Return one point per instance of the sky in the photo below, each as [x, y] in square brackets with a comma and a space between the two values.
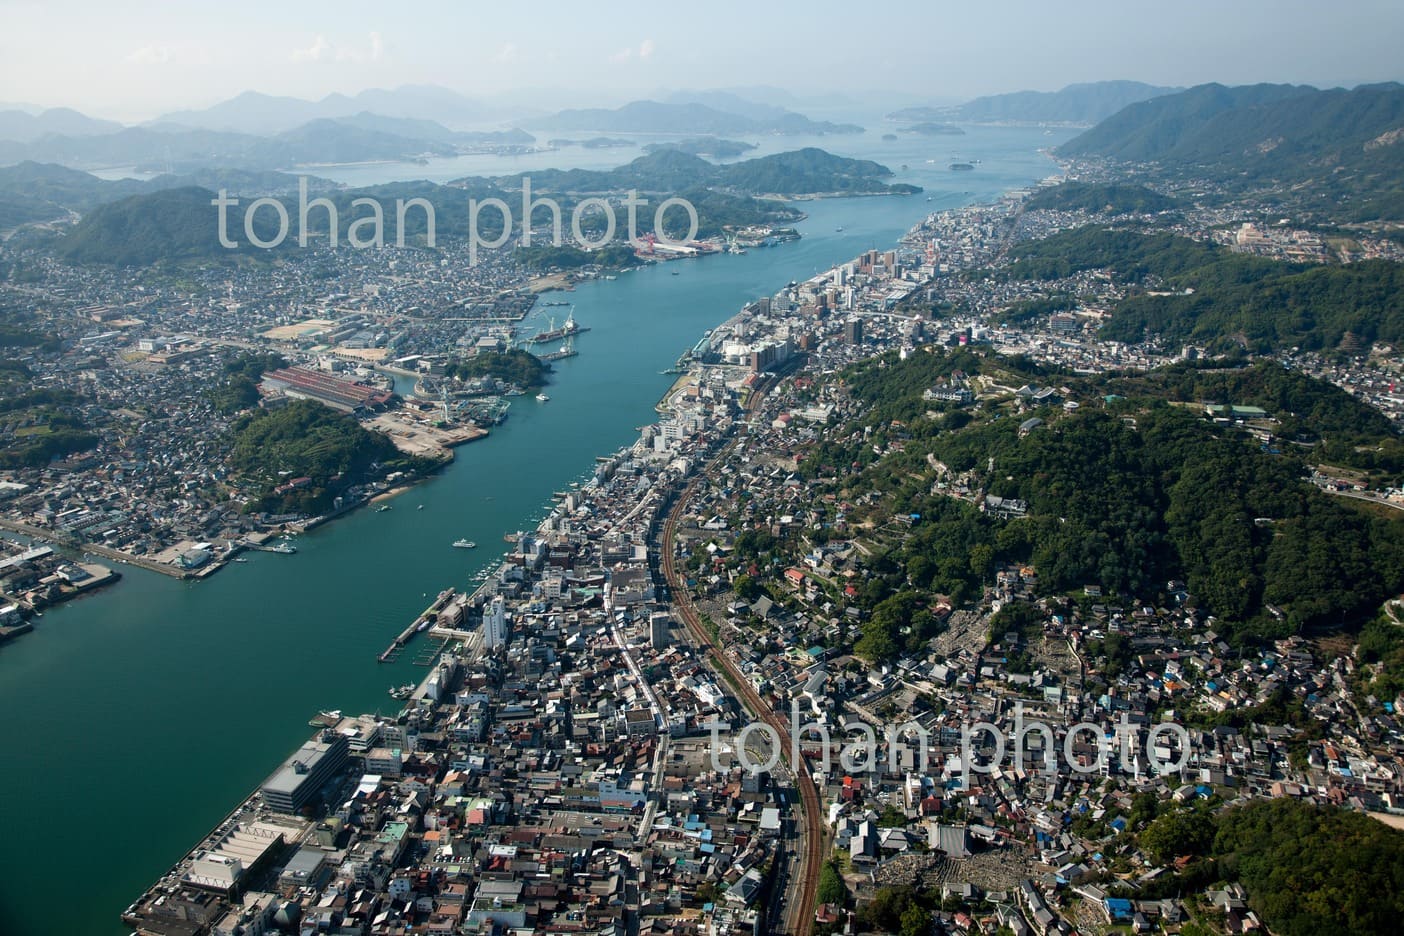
[136, 60]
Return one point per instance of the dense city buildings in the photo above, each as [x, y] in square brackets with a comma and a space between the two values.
[573, 761]
[905, 517]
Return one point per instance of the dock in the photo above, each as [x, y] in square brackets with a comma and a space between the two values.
[284, 549]
[430, 652]
[391, 653]
[59, 538]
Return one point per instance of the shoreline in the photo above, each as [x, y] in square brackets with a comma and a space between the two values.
[690, 375]
[540, 284]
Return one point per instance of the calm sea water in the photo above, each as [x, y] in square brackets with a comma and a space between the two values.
[133, 720]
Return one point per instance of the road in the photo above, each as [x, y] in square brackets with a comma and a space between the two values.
[59, 538]
[1370, 498]
[799, 921]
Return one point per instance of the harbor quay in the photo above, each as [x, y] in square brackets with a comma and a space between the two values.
[560, 727]
[583, 752]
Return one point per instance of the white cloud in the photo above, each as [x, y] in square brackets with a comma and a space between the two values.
[645, 50]
[149, 55]
[324, 50]
[313, 53]
[508, 53]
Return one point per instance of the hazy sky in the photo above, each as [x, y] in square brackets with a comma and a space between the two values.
[137, 59]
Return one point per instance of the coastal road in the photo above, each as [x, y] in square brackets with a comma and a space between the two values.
[805, 883]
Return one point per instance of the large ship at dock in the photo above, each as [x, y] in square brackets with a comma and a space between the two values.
[566, 350]
[565, 331]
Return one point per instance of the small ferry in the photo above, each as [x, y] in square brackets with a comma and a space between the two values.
[465, 544]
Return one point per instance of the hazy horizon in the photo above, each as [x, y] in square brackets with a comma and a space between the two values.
[152, 58]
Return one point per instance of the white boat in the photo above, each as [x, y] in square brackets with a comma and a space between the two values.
[465, 544]
[542, 397]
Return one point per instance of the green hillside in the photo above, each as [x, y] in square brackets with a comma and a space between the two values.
[1258, 303]
[1343, 146]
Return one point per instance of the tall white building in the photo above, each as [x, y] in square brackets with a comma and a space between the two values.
[495, 624]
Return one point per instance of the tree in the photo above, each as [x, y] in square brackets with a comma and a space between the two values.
[746, 588]
[981, 559]
[876, 645]
[916, 921]
[832, 890]
[1185, 832]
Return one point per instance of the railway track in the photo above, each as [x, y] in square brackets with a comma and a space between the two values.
[801, 904]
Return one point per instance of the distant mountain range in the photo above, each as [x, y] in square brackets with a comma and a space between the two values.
[23, 127]
[357, 138]
[128, 222]
[730, 103]
[689, 114]
[1076, 104]
[260, 132]
[1347, 147]
[264, 114]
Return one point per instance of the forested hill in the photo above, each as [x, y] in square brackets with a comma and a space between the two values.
[1347, 145]
[172, 226]
[1275, 124]
[179, 225]
[305, 439]
[1075, 104]
[1110, 197]
[1259, 304]
[1128, 492]
[808, 171]
[1311, 869]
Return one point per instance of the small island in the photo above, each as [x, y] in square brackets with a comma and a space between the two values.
[934, 129]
